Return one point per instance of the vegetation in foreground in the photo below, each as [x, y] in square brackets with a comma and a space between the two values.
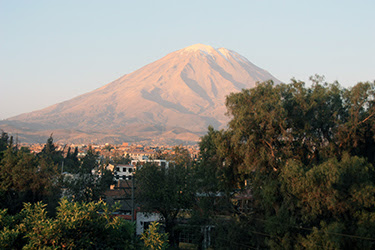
[75, 226]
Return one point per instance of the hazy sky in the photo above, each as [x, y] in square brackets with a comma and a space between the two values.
[51, 51]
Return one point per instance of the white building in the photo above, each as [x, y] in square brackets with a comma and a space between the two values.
[144, 220]
[124, 172]
[143, 160]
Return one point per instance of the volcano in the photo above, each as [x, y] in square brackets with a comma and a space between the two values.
[173, 99]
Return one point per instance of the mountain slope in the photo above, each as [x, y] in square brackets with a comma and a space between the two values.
[185, 89]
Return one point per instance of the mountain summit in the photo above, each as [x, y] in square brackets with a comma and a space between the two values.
[176, 97]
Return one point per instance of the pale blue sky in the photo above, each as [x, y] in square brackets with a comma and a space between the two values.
[51, 51]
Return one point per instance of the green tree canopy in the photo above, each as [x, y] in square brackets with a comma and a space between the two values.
[86, 184]
[166, 190]
[306, 155]
[25, 177]
[75, 226]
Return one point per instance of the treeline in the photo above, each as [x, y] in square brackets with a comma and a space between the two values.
[29, 177]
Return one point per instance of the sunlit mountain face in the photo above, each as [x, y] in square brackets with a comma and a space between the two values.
[174, 98]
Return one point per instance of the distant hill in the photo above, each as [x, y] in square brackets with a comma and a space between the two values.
[171, 100]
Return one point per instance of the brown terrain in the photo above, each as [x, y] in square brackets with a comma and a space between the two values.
[171, 100]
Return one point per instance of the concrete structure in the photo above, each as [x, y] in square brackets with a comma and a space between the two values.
[124, 172]
[135, 154]
[144, 220]
[143, 160]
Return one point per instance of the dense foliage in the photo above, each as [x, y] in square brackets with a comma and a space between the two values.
[153, 239]
[48, 175]
[167, 190]
[26, 177]
[83, 184]
[75, 226]
[305, 158]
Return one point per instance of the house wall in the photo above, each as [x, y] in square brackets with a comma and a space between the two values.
[144, 220]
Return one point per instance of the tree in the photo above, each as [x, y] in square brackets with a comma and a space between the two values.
[4, 140]
[211, 179]
[75, 226]
[179, 156]
[339, 201]
[304, 153]
[51, 153]
[120, 159]
[153, 239]
[85, 185]
[71, 161]
[167, 191]
[26, 178]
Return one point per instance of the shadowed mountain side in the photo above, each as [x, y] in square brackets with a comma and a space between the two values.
[185, 90]
[154, 96]
[227, 76]
[194, 85]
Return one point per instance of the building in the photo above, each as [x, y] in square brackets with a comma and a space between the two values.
[143, 160]
[123, 172]
[143, 221]
[135, 154]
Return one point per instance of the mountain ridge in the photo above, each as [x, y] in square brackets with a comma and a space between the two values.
[184, 89]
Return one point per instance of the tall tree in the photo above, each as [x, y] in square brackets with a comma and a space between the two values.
[317, 140]
[166, 190]
[86, 185]
[50, 152]
[26, 178]
[71, 162]
[3, 143]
